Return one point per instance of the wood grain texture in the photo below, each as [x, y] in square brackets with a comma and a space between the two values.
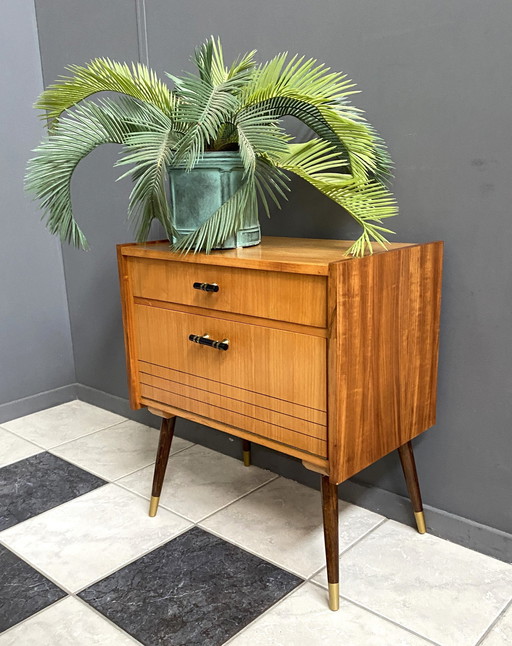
[383, 349]
[270, 430]
[232, 404]
[292, 255]
[130, 336]
[411, 476]
[233, 392]
[265, 294]
[162, 454]
[168, 409]
[230, 316]
[331, 533]
[281, 364]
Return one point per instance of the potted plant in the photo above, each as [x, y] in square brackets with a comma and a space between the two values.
[218, 136]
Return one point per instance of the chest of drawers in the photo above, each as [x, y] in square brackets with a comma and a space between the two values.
[292, 345]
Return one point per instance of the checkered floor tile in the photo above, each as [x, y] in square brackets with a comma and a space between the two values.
[234, 555]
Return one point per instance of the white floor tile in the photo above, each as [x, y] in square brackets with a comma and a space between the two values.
[116, 451]
[14, 448]
[199, 481]
[282, 522]
[53, 426]
[92, 535]
[66, 623]
[304, 619]
[438, 589]
[501, 634]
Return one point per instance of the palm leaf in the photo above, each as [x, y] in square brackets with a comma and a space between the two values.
[309, 92]
[201, 112]
[101, 75]
[150, 153]
[76, 135]
[258, 134]
[367, 202]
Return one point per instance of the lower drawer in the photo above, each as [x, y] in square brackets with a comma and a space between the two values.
[269, 382]
[278, 363]
[265, 421]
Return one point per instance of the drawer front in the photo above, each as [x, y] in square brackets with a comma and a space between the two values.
[279, 296]
[269, 382]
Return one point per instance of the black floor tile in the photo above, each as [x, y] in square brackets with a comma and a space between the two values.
[39, 483]
[23, 590]
[196, 590]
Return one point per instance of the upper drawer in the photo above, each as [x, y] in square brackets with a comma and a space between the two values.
[296, 298]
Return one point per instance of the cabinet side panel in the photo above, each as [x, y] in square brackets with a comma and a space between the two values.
[383, 352]
[127, 304]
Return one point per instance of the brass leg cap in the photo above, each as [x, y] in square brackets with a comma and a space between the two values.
[247, 458]
[334, 596]
[420, 522]
[153, 505]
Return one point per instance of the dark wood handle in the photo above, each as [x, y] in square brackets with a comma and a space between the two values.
[204, 339]
[206, 287]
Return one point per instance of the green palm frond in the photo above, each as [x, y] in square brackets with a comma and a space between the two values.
[222, 108]
[79, 133]
[299, 78]
[149, 154]
[367, 202]
[270, 181]
[202, 111]
[104, 75]
[258, 133]
[309, 92]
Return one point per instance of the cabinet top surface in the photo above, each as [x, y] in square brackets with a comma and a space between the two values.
[296, 255]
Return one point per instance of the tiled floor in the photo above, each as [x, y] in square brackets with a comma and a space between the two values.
[234, 555]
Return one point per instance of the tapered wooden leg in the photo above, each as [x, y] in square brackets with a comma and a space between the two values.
[162, 456]
[332, 551]
[411, 478]
[246, 448]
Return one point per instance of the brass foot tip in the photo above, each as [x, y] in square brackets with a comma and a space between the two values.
[420, 522]
[247, 458]
[153, 505]
[334, 596]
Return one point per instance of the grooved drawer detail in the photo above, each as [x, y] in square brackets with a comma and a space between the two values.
[277, 363]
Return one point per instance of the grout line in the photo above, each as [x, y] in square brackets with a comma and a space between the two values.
[24, 621]
[147, 499]
[106, 619]
[37, 568]
[47, 511]
[493, 624]
[147, 551]
[349, 547]
[18, 437]
[97, 430]
[250, 551]
[265, 612]
[50, 448]
[244, 495]
[376, 614]
[26, 457]
[185, 448]
[191, 520]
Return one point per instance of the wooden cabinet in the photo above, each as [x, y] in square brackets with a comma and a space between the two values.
[290, 344]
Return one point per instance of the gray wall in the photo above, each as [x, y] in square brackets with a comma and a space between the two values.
[35, 340]
[436, 80]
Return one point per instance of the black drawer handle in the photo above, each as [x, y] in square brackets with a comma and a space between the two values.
[204, 339]
[206, 287]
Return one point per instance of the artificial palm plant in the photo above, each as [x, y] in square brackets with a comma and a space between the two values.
[221, 108]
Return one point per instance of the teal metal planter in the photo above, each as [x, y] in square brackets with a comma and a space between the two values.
[197, 194]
